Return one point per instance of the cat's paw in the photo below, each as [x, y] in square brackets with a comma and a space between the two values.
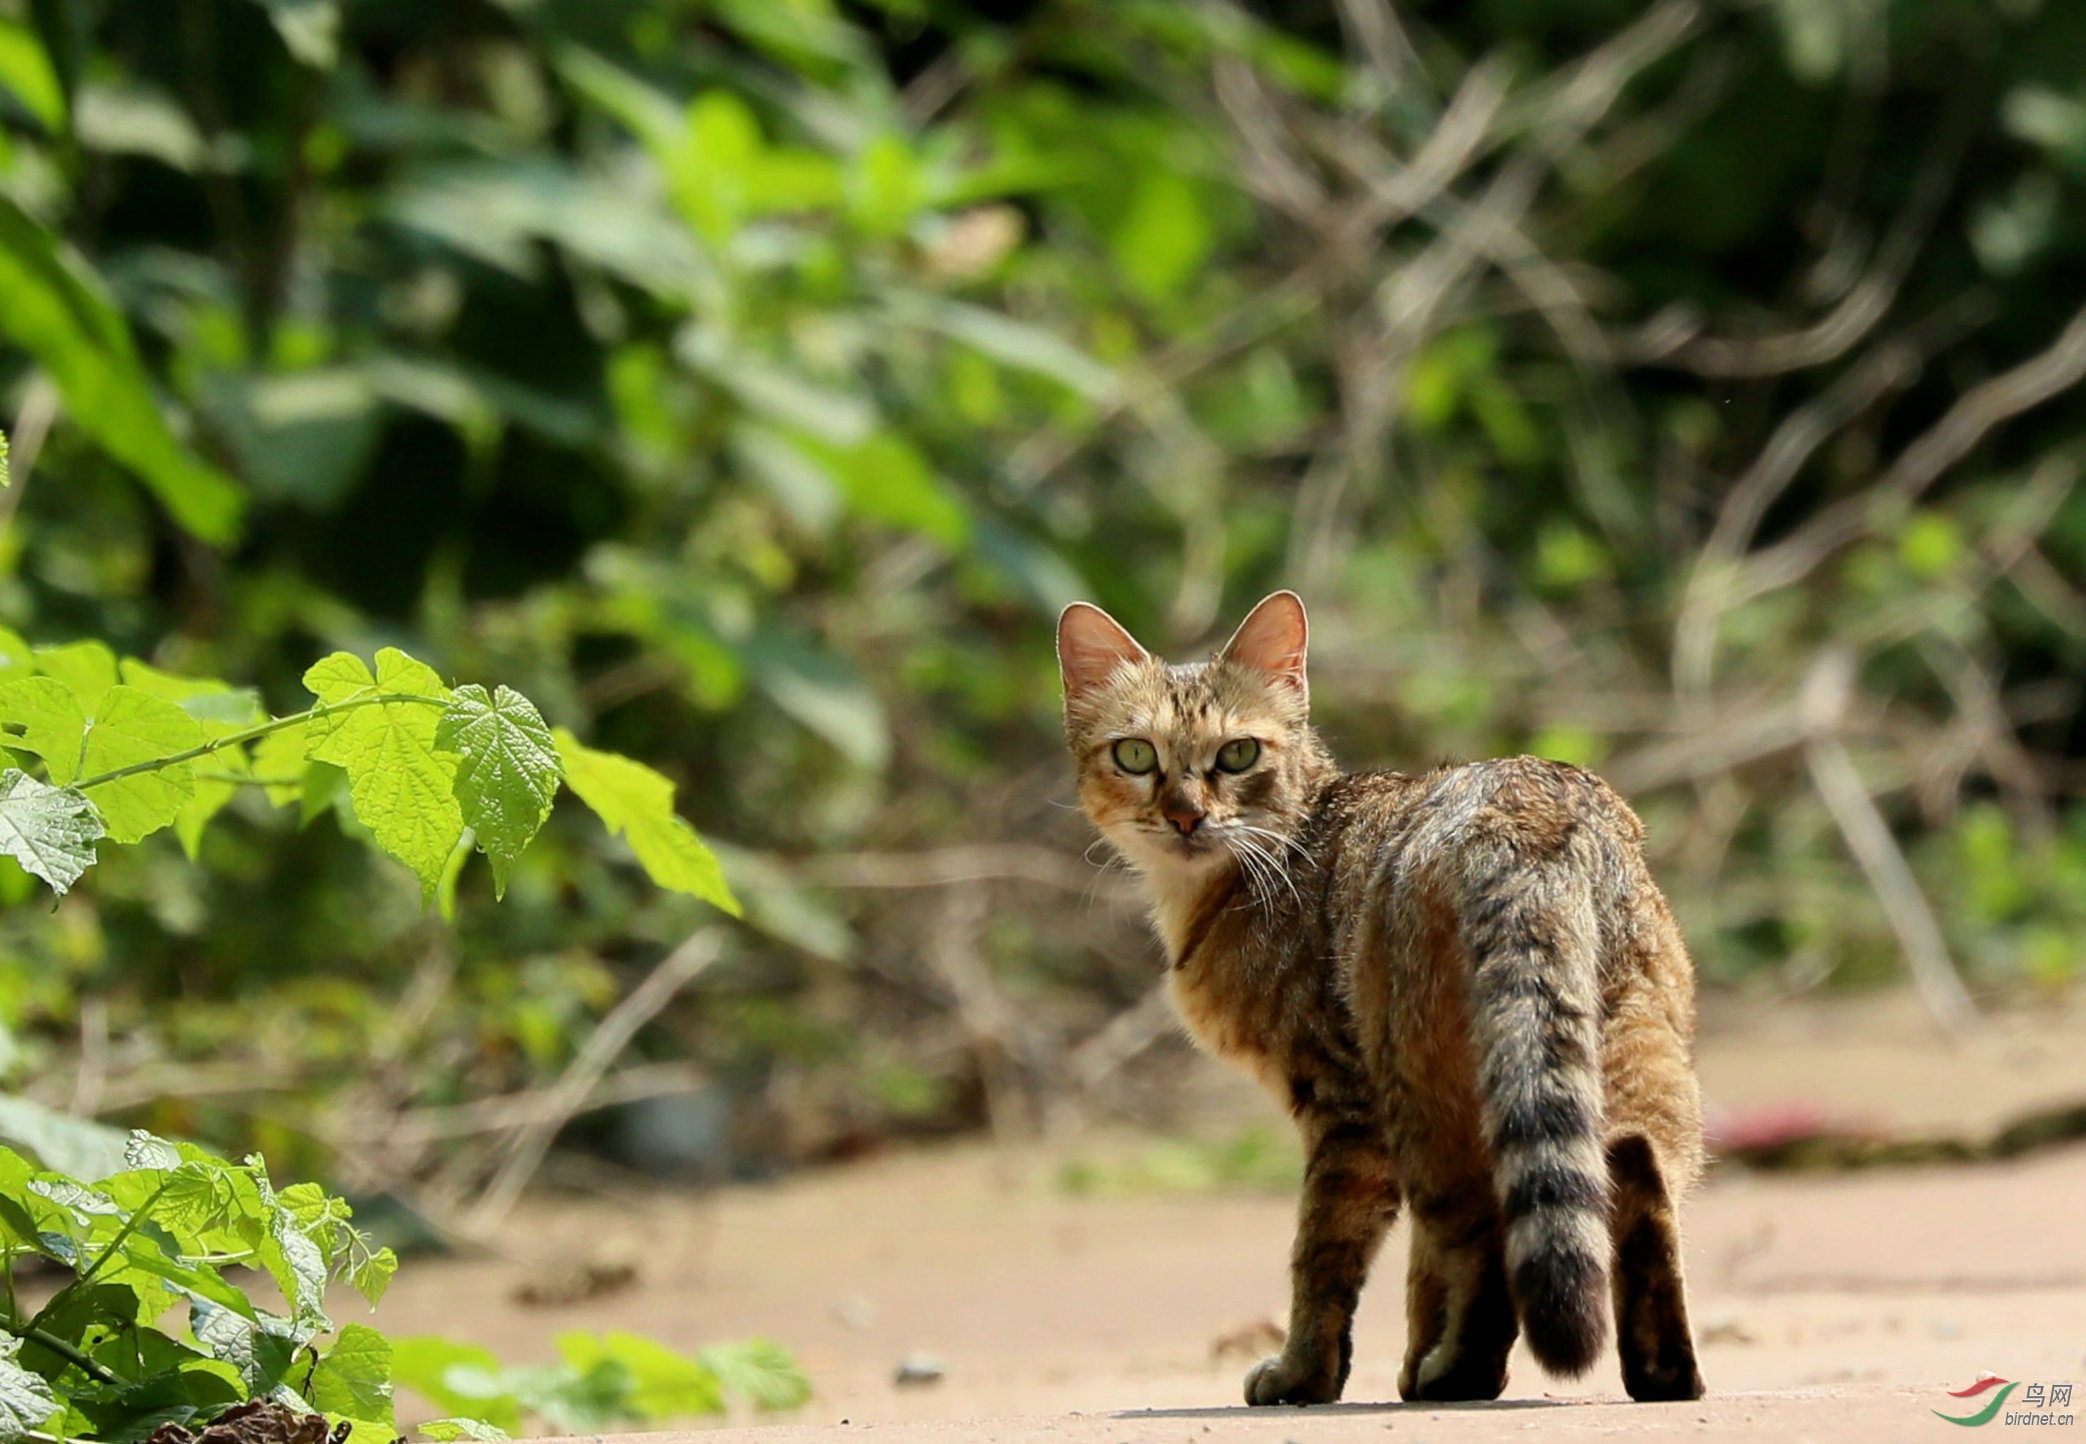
[1281, 1380]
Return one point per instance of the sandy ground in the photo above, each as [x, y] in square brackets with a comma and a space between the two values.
[1828, 1307]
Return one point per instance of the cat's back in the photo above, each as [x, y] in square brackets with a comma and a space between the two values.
[1416, 850]
[1372, 821]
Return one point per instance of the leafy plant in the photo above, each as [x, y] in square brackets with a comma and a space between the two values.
[91, 1363]
[603, 1380]
[431, 772]
[95, 1361]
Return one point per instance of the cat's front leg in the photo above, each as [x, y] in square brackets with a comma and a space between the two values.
[1350, 1198]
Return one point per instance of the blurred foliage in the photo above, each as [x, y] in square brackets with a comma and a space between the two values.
[749, 381]
[1255, 1160]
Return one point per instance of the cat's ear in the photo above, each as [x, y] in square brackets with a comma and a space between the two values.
[1272, 639]
[1091, 645]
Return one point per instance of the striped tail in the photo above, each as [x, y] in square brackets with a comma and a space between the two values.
[1528, 925]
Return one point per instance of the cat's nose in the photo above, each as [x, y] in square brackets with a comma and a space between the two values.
[1184, 817]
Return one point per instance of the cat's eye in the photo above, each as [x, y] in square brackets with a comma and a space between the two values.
[1136, 756]
[1238, 754]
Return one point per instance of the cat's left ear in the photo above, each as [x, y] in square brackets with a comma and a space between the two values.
[1272, 639]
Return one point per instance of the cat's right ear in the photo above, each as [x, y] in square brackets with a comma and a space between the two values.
[1091, 645]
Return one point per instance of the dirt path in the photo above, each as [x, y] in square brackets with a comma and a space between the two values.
[1837, 1307]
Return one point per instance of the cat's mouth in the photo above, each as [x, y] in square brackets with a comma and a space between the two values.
[1188, 846]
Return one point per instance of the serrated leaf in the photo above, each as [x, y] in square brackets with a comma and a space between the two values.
[370, 1274]
[760, 1371]
[26, 1401]
[260, 1349]
[402, 782]
[442, 1431]
[298, 1267]
[132, 727]
[353, 1377]
[53, 724]
[146, 1150]
[49, 830]
[509, 773]
[632, 799]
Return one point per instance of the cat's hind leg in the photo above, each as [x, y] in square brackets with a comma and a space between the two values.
[1651, 1305]
[1459, 1317]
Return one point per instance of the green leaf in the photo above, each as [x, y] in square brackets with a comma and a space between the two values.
[88, 668]
[509, 773]
[461, 1378]
[370, 1274]
[60, 1142]
[53, 308]
[211, 796]
[444, 1430]
[147, 1151]
[298, 1267]
[775, 391]
[353, 1377]
[261, 1349]
[49, 830]
[574, 1401]
[822, 691]
[632, 799]
[132, 727]
[1164, 237]
[25, 69]
[53, 725]
[71, 1313]
[17, 657]
[759, 1370]
[26, 1401]
[886, 480]
[151, 1252]
[402, 781]
[310, 29]
[663, 1384]
[278, 760]
[1010, 342]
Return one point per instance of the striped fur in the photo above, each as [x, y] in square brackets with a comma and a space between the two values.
[1465, 987]
[1528, 929]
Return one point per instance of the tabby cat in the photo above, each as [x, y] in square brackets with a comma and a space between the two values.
[1464, 986]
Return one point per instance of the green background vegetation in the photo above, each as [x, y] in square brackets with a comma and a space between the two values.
[1685, 389]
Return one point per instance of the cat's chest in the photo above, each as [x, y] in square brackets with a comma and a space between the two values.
[1225, 1017]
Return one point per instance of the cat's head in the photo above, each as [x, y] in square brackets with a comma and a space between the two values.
[1195, 767]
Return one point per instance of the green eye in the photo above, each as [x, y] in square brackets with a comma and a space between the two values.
[1136, 756]
[1238, 754]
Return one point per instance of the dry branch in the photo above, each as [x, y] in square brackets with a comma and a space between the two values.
[525, 1150]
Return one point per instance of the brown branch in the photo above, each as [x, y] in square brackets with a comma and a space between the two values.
[2049, 373]
[526, 1149]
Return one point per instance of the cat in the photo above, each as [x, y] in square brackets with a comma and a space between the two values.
[1463, 985]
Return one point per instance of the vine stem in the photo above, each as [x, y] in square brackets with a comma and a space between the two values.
[259, 729]
[29, 1333]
